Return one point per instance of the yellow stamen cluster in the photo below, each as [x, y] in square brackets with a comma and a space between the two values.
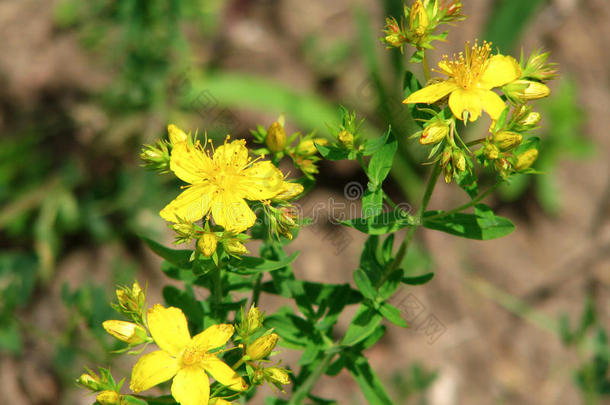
[467, 67]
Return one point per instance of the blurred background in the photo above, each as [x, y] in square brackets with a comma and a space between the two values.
[518, 320]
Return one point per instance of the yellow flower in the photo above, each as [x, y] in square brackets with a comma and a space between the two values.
[185, 359]
[471, 76]
[220, 184]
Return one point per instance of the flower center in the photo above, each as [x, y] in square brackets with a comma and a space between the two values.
[467, 66]
[224, 179]
[190, 357]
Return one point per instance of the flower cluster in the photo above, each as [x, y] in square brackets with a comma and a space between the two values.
[188, 361]
[422, 19]
[469, 89]
[222, 185]
[300, 148]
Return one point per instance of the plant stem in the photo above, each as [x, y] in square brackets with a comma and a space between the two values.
[299, 395]
[256, 291]
[467, 205]
[402, 250]
[216, 291]
[426, 67]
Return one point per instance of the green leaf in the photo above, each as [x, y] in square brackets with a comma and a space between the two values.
[418, 280]
[294, 330]
[369, 382]
[330, 152]
[387, 222]
[364, 323]
[253, 265]
[392, 314]
[372, 202]
[381, 163]
[177, 257]
[364, 285]
[482, 225]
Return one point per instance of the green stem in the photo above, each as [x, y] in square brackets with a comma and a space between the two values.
[426, 67]
[299, 395]
[402, 250]
[467, 205]
[216, 291]
[256, 291]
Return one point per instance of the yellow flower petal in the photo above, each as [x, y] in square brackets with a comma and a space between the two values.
[191, 386]
[168, 328]
[176, 135]
[261, 181]
[223, 373]
[213, 337]
[192, 205]
[289, 191]
[190, 163]
[500, 69]
[432, 93]
[232, 212]
[461, 101]
[152, 369]
[492, 103]
[232, 154]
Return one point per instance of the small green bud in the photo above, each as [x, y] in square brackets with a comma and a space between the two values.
[526, 159]
[507, 140]
[207, 244]
[276, 137]
[262, 346]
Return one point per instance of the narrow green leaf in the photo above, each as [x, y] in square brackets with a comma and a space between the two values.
[381, 163]
[177, 257]
[418, 280]
[387, 222]
[369, 382]
[253, 265]
[392, 314]
[363, 324]
[364, 284]
[332, 152]
[482, 225]
[372, 203]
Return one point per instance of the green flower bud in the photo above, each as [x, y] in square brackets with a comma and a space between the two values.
[526, 159]
[276, 137]
[262, 346]
[506, 140]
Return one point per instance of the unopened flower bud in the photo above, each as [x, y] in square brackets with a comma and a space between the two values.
[156, 157]
[235, 247]
[526, 159]
[108, 398]
[276, 376]
[307, 147]
[90, 382]
[207, 244]
[491, 151]
[395, 40]
[459, 160]
[506, 140]
[522, 91]
[131, 300]
[176, 135]
[346, 138]
[446, 156]
[276, 137]
[434, 133]
[418, 18]
[254, 320]
[262, 346]
[127, 332]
